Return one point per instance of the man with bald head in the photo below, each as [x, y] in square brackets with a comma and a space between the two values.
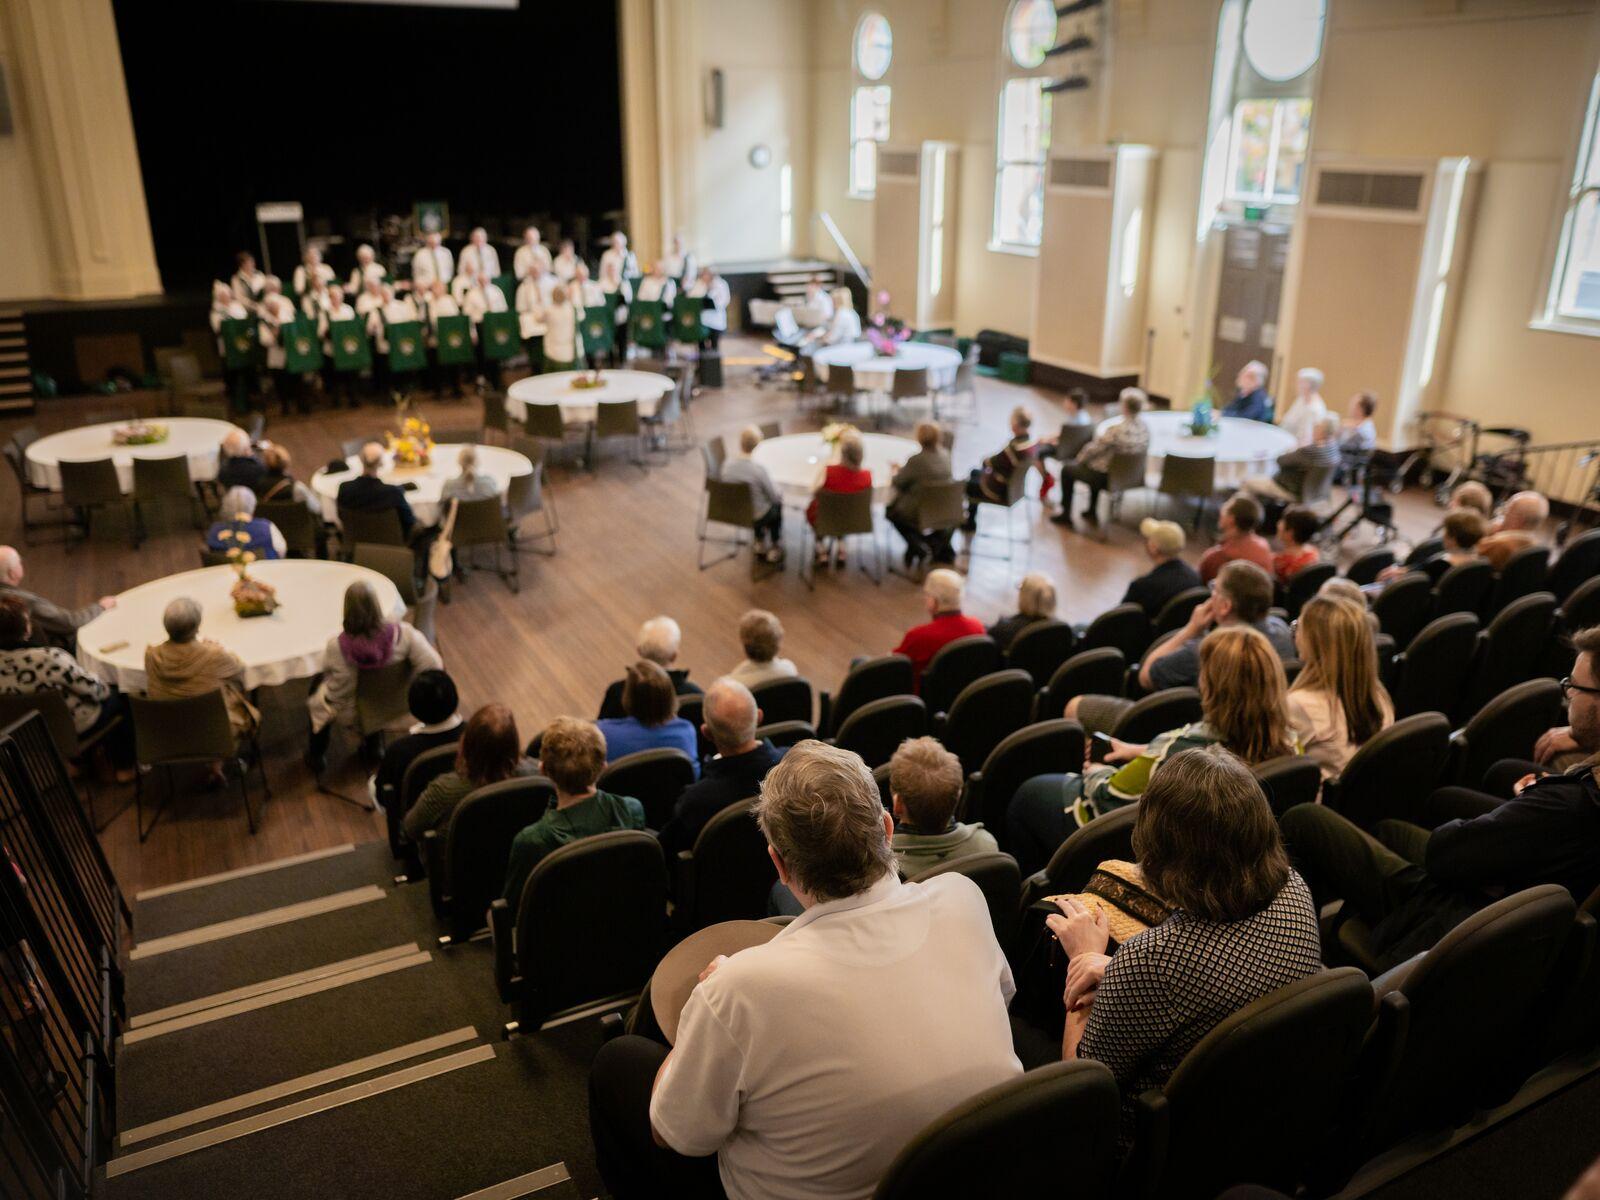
[367, 493]
[1519, 526]
[50, 621]
[730, 718]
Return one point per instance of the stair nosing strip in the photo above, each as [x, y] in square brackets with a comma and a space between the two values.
[261, 920]
[242, 872]
[523, 1185]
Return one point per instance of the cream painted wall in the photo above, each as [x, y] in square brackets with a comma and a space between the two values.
[22, 265]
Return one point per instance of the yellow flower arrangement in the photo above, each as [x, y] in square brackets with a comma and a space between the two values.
[414, 446]
[836, 432]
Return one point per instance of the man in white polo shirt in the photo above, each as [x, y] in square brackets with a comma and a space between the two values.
[806, 1064]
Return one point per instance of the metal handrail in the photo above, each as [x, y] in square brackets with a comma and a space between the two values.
[843, 243]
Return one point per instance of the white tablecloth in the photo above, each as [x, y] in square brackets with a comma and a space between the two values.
[795, 461]
[874, 373]
[1242, 448]
[579, 406]
[198, 438]
[496, 461]
[287, 645]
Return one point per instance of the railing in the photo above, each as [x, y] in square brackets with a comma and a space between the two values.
[1566, 472]
[843, 244]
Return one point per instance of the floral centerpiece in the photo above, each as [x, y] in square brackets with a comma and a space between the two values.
[587, 380]
[138, 433]
[414, 445]
[884, 332]
[1203, 419]
[836, 432]
[251, 597]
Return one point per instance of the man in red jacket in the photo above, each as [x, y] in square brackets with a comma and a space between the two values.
[941, 592]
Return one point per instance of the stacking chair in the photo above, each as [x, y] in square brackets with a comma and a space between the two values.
[1511, 648]
[1393, 772]
[730, 503]
[1088, 672]
[1175, 613]
[983, 714]
[483, 523]
[1041, 649]
[841, 515]
[867, 680]
[1039, 749]
[1126, 473]
[181, 373]
[1189, 478]
[526, 495]
[876, 729]
[1303, 585]
[1463, 588]
[1125, 627]
[910, 383]
[941, 508]
[618, 419]
[1366, 567]
[544, 424]
[1431, 674]
[1286, 1060]
[380, 528]
[715, 452]
[295, 521]
[586, 932]
[840, 386]
[783, 700]
[88, 487]
[1505, 727]
[1428, 548]
[15, 452]
[423, 770]
[728, 874]
[1404, 606]
[1107, 836]
[1523, 574]
[1019, 1138]
[190, 732]
[672, 411]
[395, 563]
[1016, 500]
[466, 862]
[1581, 608]
[786, 733]
[1290, 780]
[997, 878]
[963, 383]
[955, 665]
[158, 481]
[1578, 562]
[1170, 708]
[382, 698]
[495, 419]
[655, 778]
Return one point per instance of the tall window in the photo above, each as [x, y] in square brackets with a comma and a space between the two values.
[1023, 143]
[1269, 150]
[1575, 285]
[869, 104]
[786, 207]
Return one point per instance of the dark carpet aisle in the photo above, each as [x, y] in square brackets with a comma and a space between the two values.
[297, 1031]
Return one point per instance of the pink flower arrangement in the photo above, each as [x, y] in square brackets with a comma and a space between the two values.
[883, 332]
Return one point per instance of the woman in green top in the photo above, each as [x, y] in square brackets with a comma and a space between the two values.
[490, 751]
[1243, 706]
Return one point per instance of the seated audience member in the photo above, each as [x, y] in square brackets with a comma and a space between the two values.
[366, 643]
[48, 621]
[792, 1064]
[1036, 601]
[238, 528]
[1308, 411]
[734, 774]
[1296, 527]
[239, 465]
[1242, 595]
[278, 485]
[846, 476]
[1337, 701]
[1475, 496]
[1237, 537]
[1129, 435]
[489, 751]
[761, 635]
[187, 665]
[765, 499]
[1288, 485]
[1163, 543]
[1340, 588]
[1359, 434]
[471, 484]
[1462, 533]
[841, 326]
[941, 595]
[367, 493]
[432, 700]
[1413, 886]
[572, 755]
[930, 464]
[992, 481]
[658, 642]
[1250, 400]
[1242, 706]
[1519, 526]
[650, 719]
[925, 782]
[1242, 925]
[26, 669]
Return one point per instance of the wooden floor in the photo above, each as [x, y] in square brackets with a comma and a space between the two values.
[626, 552]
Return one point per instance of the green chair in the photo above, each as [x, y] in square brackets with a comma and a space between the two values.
[407, 349]
[89, 486]
[1190, 478]
[499, 332]
[295, 522]
[647, 324]
[454, 336]
[495, 418]
[842, 515]
[381, 698]
[686, 324]
[352, 352]
[241, 348]
[599, 331]
[15, 452]
[170, 733]
[158, 481]
[380, 528]
[180, 371]
[483, 523]
[727, 503]
[543, 423]
[527, 495]
[619, 419]
[394, 563]
[302, 349]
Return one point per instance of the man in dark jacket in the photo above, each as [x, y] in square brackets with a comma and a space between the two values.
[1163, 542]
[1251, 401]
[735, 774]
[1413, 886]
[367, 493]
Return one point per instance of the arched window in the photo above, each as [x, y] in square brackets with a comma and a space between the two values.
[1022, 141]
[869, 102]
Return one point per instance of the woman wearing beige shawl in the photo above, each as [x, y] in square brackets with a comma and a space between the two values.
[187, 665]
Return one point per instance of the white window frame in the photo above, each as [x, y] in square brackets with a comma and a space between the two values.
[1552, 316]
[1236, 143]
[857, 189]
[1001, 163]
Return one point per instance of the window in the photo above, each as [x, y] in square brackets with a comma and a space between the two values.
[1283, 38]
[1575, 285]
[1030, 31]
[869, 104]
[786, 207]
[1021, 149]
[936, 227]
[1269, 150]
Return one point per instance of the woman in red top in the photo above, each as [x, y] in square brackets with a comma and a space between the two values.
[846, 475]
[1296, 528]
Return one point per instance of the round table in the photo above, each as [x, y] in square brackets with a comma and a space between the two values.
[197, 438]
[1242, 448]
[496, 461]
[579, 405]
[287, 645]
[795, 460]
[875, 373]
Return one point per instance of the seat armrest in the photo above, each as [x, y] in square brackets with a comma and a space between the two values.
[971, 807]
[433, 867]
[1035, 888]
[825, 713]
[939, 722]
[502, 936]
[683, 885]
[1144, 1166]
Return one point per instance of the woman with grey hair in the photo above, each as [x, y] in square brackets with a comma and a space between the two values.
[471, 484]
[187, 665]
[1308, 409]
[238, 528]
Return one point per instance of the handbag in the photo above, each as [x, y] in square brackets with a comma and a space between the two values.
[441, 553]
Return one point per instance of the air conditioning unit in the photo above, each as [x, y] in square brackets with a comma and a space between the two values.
[1383, 248]
[914, 232]
[1088, 314]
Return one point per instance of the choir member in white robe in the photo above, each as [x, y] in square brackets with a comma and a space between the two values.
[442, 304]
[678, 264]
[432, 264]
[225, 306]
[367, 270]
[312, 272]
[561, 346]
[478, 257]
[530, 319]
[565, 264]
[247, 282]
[657, 285]
[274, 311]
[532, 257]
[713, 288]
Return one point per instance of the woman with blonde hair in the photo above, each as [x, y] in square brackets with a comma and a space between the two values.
[1036, 601]
[1337, 701]
[1243, 708]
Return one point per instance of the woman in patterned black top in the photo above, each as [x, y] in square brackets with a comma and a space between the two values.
[1242, 926]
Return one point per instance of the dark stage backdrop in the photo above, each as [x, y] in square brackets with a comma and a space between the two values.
[359, 110]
